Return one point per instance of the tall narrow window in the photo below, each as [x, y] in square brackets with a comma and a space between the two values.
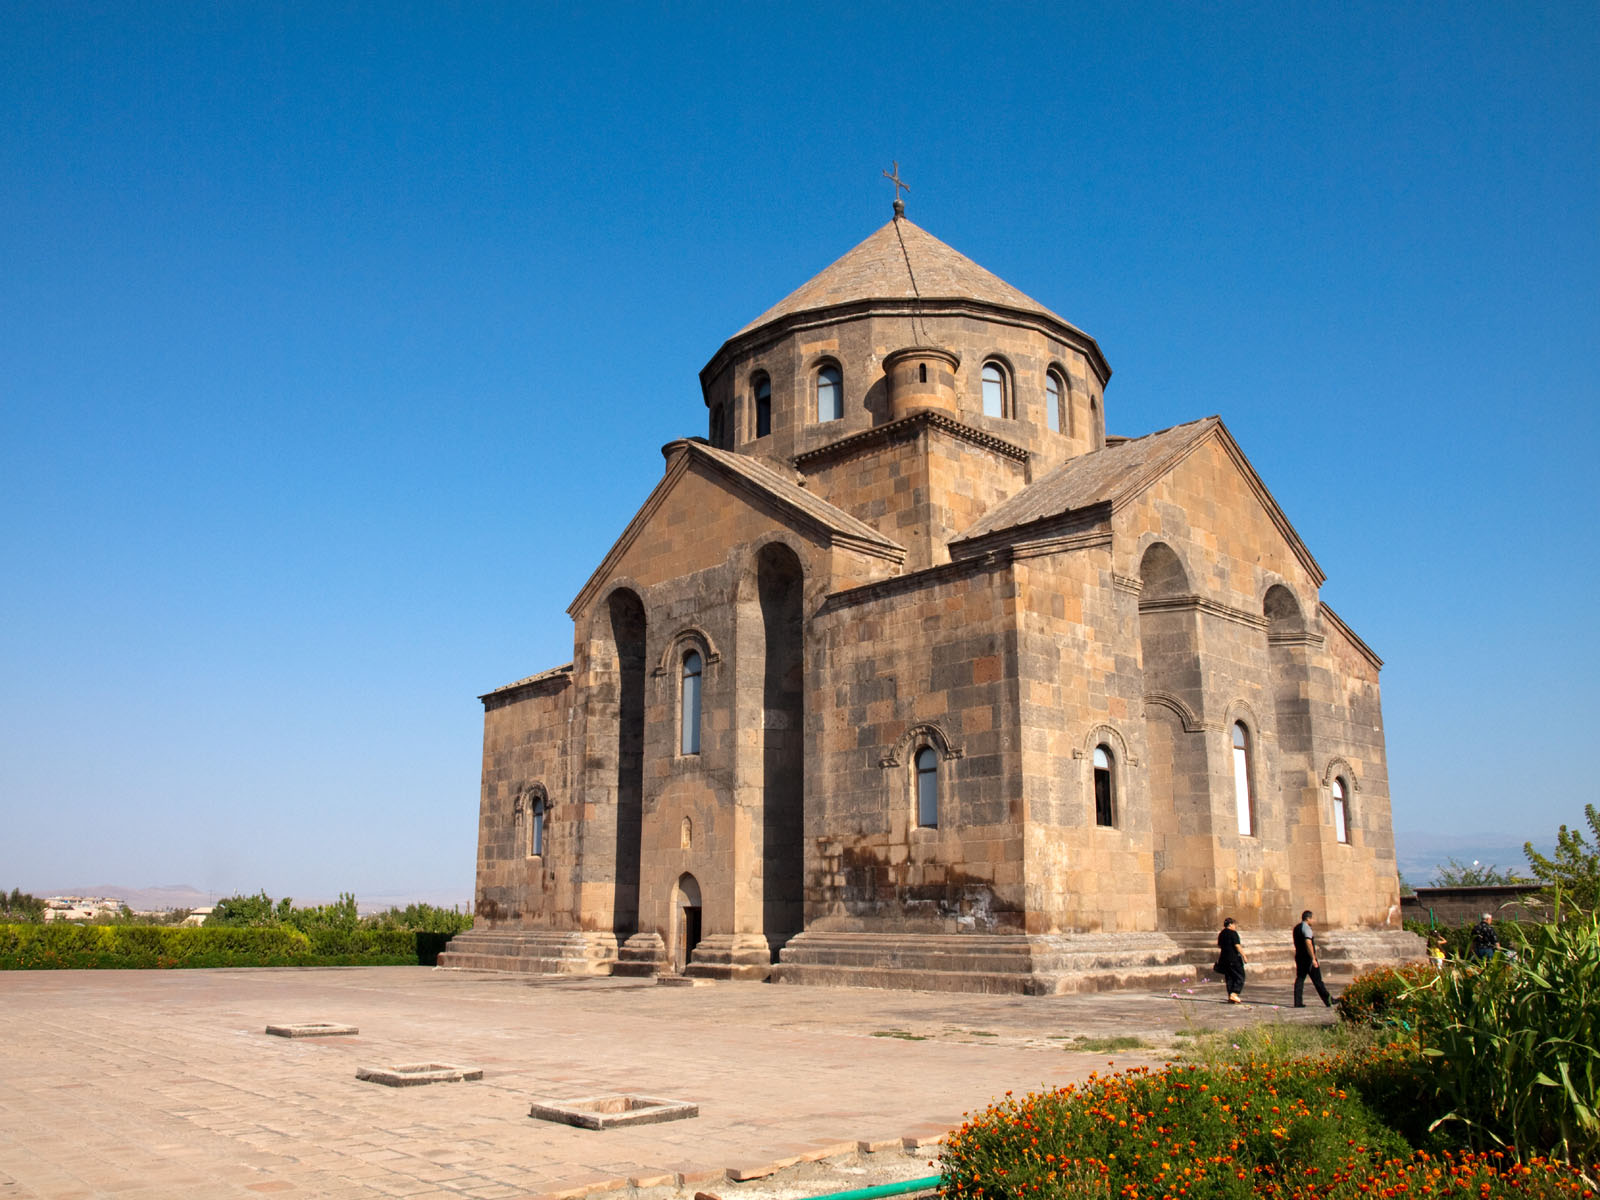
[716, 426]
[994, 390]
[830, 394]
[763, 406]
[928, 787]
[1244, 797]
[1052, 401]
[689, 711]
[1341, 811]
[1105, 812]
[1096, 433]
[536, 833]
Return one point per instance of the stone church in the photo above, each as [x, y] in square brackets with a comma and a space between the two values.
[908, 673]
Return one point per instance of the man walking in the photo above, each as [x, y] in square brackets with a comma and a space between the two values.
[1485, 942]
[1305, 962]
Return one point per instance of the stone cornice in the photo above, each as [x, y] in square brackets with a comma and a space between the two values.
[1213, 608]
[869, 439]
[915, 581]
[1074, 530]
[552, 680]
[1361, 647]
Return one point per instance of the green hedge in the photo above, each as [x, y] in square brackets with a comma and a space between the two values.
[68, 945]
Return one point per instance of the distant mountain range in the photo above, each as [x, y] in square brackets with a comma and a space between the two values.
[181, 895]
[1420, 854]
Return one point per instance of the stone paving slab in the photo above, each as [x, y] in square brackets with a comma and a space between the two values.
[165, 1084]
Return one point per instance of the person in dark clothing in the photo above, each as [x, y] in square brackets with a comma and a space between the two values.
[1230, 960]
[1485, 941]
[1306, 963]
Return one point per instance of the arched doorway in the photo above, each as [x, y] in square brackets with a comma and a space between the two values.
[685, 921]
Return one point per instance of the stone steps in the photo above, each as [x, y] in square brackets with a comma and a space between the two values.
[531, 952]
[1064, 964]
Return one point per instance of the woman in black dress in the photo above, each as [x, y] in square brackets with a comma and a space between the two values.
[1230, 960]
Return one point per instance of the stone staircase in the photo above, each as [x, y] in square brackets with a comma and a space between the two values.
[532, 952]
[1067, 963]
[1039, 965]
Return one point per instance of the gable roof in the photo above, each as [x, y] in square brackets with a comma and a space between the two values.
[877, 269]
[826, 521]
[1122, 471]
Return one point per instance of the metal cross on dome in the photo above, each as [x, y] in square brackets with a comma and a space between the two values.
[899, 204]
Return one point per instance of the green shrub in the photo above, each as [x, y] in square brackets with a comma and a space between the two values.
[64, 944]
[1383, 995]
[1515, 1046]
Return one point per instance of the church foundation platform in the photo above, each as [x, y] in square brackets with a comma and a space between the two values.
[1019, 964]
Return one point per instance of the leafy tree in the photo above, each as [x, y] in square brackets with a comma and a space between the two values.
[248, 910]
[1575, 869]
[1405, 888]
[426, 918]
[1455, 873]
[20, 908]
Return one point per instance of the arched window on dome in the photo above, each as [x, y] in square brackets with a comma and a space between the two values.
[717, 426]
[1105, 786]
[1053, 392]
[689, 704]
[830, 393]
[927, 765]
[1244, 792]
[996, 391]
[1097, 431]
[763, 391]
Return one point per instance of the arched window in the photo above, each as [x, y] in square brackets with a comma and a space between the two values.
[716, 425]
[927, 762]
[689, 710]
[1105, 787]
[1244, 796]
[830, 394]
[1096, 433]
[536, 830]
[995, 400]
[763, 406]
[1341, 810]
[1052, 401]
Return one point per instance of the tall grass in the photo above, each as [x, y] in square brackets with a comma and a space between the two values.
[1515, 1046]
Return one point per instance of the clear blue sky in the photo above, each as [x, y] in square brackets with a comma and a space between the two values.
[338, 342]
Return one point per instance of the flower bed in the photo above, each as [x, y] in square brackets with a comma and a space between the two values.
[1320, 1127]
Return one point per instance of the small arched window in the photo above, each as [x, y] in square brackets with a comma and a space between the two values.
[536, 830]
[689, 709]
[1105, 787]
[1052, 401]
[995, 401]
[1097, 433]
[927, 763]
[1244, 796]
[716, 426]
[830, 394]
[1341, 810]
[763, 406]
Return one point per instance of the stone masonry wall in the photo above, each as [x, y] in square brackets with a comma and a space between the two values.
[927, 661]
[525, 748]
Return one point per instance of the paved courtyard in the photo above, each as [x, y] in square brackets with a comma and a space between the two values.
[146, 1084]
